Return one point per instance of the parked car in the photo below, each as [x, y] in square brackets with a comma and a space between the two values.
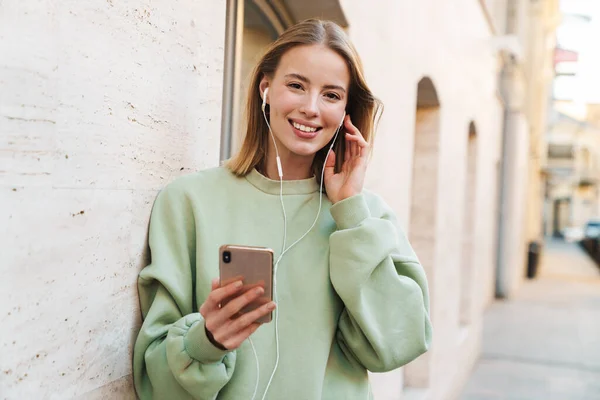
[592, 229]
[591, 240]
[573, 234]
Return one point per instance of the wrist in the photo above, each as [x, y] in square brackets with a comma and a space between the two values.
[350, 212]
[212, 340]
[195, 339]
[342, 197]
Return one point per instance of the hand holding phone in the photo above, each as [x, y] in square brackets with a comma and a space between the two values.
[225, 324]
[241, 300]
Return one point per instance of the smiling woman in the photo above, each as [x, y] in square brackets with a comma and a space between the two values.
[343, 264]
[306, 104]
[321, 66]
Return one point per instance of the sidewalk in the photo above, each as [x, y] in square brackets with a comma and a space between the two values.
[545, 343]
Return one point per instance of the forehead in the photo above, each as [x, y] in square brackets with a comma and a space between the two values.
[320, 64]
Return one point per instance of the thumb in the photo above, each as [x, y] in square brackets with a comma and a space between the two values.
[215, 284]
[330, 165]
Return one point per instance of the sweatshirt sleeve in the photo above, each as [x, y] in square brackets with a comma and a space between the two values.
[172, 357]
[385, 323]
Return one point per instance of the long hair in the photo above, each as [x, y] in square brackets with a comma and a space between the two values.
[362, 106]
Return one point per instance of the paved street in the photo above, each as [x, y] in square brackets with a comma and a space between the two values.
[545, 343]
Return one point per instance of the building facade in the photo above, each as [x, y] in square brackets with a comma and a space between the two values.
[573, 172]
[572, 189]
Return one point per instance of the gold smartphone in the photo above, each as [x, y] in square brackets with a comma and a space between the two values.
[254, 267]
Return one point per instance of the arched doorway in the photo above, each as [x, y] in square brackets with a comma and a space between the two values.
[467, 290]
[423, 209]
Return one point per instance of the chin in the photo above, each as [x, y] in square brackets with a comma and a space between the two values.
[304, 150]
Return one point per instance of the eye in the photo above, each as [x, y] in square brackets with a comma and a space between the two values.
[332, 96]
[295, 85]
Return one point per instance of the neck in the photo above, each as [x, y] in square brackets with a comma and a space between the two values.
[294, 167]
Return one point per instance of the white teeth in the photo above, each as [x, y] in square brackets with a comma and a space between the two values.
[303, 128]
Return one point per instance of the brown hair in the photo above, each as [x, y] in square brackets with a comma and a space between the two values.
[364, 109]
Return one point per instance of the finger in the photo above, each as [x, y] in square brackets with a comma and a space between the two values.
[235, 305]
[353, 130]
[355, 145]
[330, 159]
[214, 284]
[350, 146]
[248, 318]
[230, 328]
[329, 165]
[365, 148]
[235, 341]
[357, 139]
[363, 145]
[219, 294]
[347, 152]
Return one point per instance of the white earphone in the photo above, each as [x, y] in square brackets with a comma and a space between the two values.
[265, 98]
[284, 248]
[264, 105]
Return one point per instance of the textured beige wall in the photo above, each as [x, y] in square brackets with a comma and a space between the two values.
[101, 104]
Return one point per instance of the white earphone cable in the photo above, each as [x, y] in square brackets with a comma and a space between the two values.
[257, 368]
[284, 249]
[276, 267]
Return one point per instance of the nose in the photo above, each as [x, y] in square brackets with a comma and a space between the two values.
[310, 107]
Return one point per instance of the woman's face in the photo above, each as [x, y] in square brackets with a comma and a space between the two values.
[307, 98]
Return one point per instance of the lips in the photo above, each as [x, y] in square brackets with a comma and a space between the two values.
[303, 134]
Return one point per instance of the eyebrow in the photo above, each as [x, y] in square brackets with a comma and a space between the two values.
[307, 81]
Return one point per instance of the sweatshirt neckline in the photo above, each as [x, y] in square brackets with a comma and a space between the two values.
[301, 186]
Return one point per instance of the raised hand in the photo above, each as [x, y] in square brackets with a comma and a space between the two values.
[350, 180]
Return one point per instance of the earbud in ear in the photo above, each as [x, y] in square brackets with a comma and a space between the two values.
[264, 104]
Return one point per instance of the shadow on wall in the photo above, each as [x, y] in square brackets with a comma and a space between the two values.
[144, 260]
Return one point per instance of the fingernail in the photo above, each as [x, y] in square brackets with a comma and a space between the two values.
[271, 306]
[238, 284]
[258, 290]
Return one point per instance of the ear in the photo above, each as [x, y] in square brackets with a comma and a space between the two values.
[264, 84]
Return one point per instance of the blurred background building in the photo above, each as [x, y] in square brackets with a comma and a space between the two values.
[572, 195]
[102, 103]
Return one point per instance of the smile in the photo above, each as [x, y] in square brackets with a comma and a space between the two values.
[304, 131]
[304, 128]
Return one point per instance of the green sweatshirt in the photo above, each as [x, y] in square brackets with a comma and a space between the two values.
[352, 295]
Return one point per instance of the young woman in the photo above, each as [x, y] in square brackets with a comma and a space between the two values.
[352, 295]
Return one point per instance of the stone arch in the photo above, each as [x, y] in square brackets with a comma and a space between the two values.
[423, 209]
[427, 94]
[467, 290]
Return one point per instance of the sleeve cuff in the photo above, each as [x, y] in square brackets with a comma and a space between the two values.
[350, 212]
[197, 344]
